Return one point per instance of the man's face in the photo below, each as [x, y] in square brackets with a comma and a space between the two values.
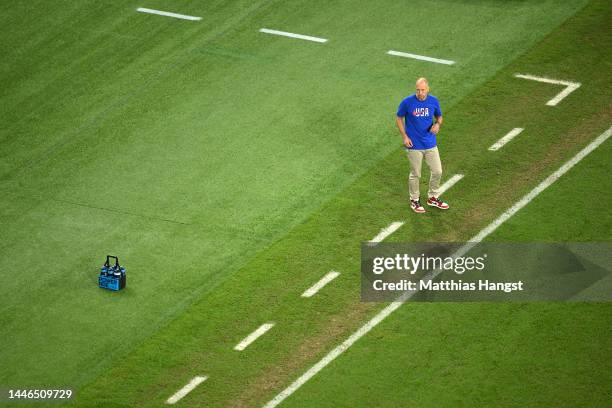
[421, 90]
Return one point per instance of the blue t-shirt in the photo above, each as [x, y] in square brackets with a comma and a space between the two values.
[418, 118]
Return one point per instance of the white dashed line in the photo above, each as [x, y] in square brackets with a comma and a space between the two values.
[570, 87]
[385, 232]
[394, 226]
[505, 139]
[420, 57]
[312, 371]
[186, 389]
[253, 336]
[320, 284]
[293, 35]
[449, 183]
[168, 14]
[543, 185]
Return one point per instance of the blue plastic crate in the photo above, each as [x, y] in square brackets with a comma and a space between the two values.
[112, 277]
[112, 283]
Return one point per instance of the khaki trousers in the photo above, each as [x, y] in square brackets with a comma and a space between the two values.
[432, 158]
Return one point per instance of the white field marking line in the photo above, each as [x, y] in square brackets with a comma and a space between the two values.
[420, 57]
[570, 86]
[543, 185]
[385, 232]
[363, 330]
[197, 380]
[449, 183]
[293, 35]
[330, 276]
[505, 139]
[168, 14]
[394, 226]
[253, 336]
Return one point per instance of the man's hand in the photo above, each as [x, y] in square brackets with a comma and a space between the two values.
[435, 128]
[407, 141]
[400, 125]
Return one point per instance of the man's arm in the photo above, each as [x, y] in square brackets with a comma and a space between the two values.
[399, 120]
[435, 128]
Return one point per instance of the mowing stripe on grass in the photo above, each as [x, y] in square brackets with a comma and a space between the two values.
[420, 57]
[570, 86]
[385, 232]
[253, 336]
[197, 380]
[449, 183]
[168, 14]
[293, 35]
[330, 276]
[380, 316]
[505, 139]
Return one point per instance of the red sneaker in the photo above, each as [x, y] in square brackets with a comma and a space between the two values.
[436, 202]
[416, 206]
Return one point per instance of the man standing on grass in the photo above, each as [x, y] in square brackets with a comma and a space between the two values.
[415, 120]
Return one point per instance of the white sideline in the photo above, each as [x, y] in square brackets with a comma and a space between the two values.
[197, 380]
[293, 35]
[449, 183]
[253, 336]
[168, 14]
[570, 86]
[505, 139]
[311, 372]
[543, 185]
[330, 276]
[420, 57]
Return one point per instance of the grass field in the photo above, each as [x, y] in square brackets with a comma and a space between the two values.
[231, 169]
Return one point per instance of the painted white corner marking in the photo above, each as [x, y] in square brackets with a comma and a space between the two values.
[570, 86]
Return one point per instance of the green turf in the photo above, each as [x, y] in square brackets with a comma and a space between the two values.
[216, 141]
[439, 355]
[268, 287]
[491, 354]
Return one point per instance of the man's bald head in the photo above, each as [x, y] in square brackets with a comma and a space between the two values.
[422, 88]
